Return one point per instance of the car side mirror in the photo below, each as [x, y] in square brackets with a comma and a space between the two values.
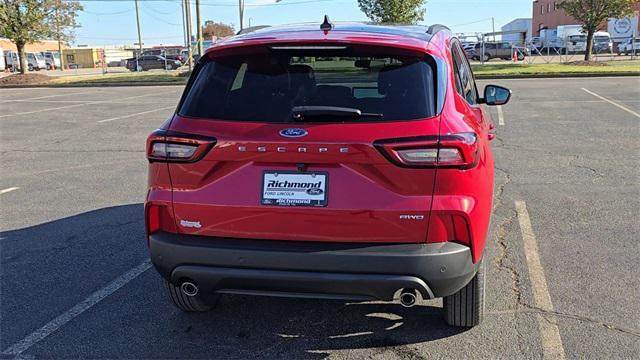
[496, 95]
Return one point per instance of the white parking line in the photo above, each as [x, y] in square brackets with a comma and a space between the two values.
[551, 342]
[84, 104]
[56, 95]
[613, 103]
[136, 114]
[41, 97]
[4, 191]
[45, 101]
[44, 110]
[500, 115]
[96, 297]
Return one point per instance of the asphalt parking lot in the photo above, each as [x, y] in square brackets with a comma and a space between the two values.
[562, 260]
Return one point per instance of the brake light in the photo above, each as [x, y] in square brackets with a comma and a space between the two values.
[451, 150]
[170, 146]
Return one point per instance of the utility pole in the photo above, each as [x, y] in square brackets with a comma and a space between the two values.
[199, 29]
[184, 24]
[139, 36]
[187, 10]
[493, 28]
[58, 35]
[241, 6]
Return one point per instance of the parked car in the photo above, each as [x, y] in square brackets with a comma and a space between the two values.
[629, 46]
[468, 46]
[52, 59]
[502, 50]
[333, 161]
[169, 55]
[148, 62]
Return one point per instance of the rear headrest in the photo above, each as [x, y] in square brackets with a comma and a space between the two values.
[266, 77]
[334, 92]
[301, 76]
[391, 78]
[301, 70]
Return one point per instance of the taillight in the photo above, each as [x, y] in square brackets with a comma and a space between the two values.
[170, 146]
[164, 150]
[451, 150]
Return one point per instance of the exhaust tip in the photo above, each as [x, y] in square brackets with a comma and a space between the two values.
[408, 297]
[190, 289]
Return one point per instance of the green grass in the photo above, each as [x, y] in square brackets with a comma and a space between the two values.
[504, 69]
[529, 69]
[144, 77]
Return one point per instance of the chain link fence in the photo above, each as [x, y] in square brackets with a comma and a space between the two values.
[566, 50]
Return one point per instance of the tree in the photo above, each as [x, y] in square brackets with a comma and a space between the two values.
[592, 13]
[393, 11]
[217, 29]
[62, 21]
[28, 21]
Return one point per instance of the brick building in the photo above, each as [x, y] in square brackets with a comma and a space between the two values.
[44, 45]
[548, 15]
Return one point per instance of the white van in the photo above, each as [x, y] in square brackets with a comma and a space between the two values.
[35, 61]
[2, 63]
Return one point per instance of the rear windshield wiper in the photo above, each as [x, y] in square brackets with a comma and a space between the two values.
[311, 113]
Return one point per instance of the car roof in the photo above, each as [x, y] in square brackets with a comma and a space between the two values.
[415, 37]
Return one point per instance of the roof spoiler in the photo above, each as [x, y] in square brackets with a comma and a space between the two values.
[433, 29]
[252, 29]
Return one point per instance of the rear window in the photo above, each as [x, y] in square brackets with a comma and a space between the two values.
[266, 86]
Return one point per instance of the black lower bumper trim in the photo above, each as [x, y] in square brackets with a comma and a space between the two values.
[298, 283]
[312, 269]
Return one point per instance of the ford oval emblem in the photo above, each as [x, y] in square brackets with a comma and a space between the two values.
[314, 191]
[293, 132]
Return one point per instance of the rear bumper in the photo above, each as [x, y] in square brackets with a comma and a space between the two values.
[311, 269]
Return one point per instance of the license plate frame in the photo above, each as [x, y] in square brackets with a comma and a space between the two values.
[294, 196]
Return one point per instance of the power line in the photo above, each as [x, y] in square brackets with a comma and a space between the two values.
[109, 13]
[144, 11]
[471, 23]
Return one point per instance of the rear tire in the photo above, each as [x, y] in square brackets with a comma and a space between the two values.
[188, 303]
[466, 307]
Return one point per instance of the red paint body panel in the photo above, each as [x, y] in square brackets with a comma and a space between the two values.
[367, 194]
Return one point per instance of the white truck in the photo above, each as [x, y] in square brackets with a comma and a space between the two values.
[564, 36]
[602, 43]
[629, 46]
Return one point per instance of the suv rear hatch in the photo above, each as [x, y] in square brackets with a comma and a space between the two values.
[302, 140]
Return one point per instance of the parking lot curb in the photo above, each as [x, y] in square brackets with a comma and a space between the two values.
[182, 83]
[111, 84]
[556, 75]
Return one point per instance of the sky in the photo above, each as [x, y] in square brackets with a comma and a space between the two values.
[113, 22]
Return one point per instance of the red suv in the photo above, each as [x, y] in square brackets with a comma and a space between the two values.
[340, 162]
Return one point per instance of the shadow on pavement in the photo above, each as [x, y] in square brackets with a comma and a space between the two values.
[49, 268]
